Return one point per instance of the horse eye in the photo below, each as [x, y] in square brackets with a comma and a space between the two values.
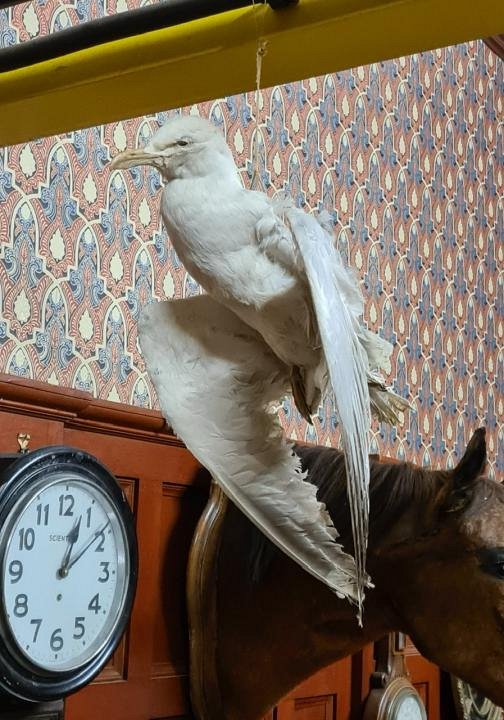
[182, 143]
[492, 561]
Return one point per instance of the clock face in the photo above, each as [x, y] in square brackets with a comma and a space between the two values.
[64, 571]
[409, 708]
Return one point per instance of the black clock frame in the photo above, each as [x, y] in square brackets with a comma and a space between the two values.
[24, 680]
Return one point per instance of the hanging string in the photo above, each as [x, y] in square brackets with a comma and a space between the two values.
[261, 50]
[260, 53]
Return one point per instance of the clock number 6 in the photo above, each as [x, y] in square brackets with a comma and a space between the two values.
[56, 641]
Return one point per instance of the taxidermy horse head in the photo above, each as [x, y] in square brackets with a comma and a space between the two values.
[260, 624]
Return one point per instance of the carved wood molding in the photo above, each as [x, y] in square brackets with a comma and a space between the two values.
[202, 608]
[79, 410]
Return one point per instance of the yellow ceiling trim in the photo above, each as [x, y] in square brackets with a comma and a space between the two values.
[215, 56]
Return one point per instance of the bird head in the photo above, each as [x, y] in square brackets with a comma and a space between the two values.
[186, 146]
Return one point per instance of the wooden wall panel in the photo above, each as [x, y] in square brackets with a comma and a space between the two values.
[168, 499]
[317, 707]
[325, 696]
[180, 511]
[363, 665]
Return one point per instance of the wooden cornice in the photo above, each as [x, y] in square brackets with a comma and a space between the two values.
[80, 410]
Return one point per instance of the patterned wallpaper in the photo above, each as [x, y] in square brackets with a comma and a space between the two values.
[406, 155]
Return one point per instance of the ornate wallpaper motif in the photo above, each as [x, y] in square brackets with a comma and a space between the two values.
[406, 155]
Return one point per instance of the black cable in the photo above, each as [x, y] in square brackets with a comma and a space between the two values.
[116, 27]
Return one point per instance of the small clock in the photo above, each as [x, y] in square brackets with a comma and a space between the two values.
[393, 697]
[397, 701]
[68, 564]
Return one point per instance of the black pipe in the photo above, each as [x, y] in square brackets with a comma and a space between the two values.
[116, 27]
[496, 44]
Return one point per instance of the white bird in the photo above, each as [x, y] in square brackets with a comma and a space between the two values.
[295, 319]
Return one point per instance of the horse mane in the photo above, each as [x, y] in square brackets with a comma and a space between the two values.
[393, 487]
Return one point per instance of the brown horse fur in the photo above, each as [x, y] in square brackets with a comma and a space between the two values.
[436, 557]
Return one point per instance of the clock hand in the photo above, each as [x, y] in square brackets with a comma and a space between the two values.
[72, 538]
[87, 545]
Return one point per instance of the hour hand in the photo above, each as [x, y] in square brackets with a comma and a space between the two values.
[72, 538]
[86, 546]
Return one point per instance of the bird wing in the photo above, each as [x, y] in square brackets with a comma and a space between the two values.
[338, 304]
[276, 240]
[216, 378]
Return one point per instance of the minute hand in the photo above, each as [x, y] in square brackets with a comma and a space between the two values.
[87, 545]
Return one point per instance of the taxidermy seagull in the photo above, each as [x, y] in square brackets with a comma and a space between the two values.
[281, 311]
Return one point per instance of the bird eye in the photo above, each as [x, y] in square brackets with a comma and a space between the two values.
[182, 143]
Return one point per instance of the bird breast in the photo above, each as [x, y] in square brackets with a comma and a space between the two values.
[213, 231]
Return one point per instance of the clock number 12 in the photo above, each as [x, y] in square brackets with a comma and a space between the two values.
[66, 503]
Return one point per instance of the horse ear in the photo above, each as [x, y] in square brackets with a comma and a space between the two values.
[473, 461]
[464, 475]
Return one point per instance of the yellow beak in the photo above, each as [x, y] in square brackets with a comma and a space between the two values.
[131, 158]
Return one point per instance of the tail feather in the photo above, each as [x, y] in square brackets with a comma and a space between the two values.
[386, 404]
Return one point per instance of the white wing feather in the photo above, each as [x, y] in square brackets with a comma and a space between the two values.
[336, 309]
[215, 378]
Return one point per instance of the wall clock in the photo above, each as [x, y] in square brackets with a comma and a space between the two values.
[392, 697]
[68, 564]
[472, 705]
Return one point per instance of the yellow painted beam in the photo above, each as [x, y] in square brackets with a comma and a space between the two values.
[213, 57]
